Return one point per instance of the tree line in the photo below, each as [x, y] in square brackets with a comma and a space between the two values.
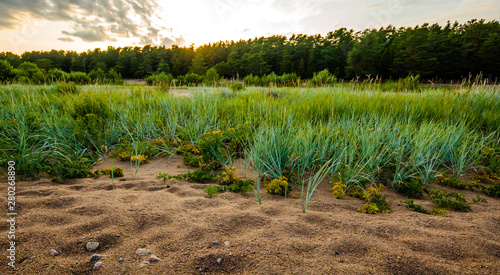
[434, 52]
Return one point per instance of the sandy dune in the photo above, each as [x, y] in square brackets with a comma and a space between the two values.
[178, 224]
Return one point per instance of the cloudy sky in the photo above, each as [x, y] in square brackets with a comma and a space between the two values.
[80, 25]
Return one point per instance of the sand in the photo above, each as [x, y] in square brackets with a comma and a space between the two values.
[178, 224]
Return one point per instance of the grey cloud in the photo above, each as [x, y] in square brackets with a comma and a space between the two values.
[168, 42]
[66, 39]
[92, 20]
[94, 34]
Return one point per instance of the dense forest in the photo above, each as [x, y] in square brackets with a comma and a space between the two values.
[438, 53]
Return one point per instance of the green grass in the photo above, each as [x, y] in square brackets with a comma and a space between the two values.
[369, 132]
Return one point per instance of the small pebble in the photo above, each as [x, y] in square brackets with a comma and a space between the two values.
[53, 252]
[78, 242]
[95, 257]
[226, 243]
[199, 259]
[219, 260]
[216, 243]
[97, 265]
[144, 263]
[154, 259]
[121, 260]
[117, 235]
[337, 253]
[143, 252]
[92, 246]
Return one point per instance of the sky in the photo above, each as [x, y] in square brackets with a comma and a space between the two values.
[80, 25]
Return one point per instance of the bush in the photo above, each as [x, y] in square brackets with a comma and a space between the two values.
[71, 168]
[211, 76]
[236, 86]
[7, 72]
[79, 78]
[57, 75]
[338, 189]
[190, 79]
[228, 177]
[162, 81]
[117, 171]
[418, 208]
[278, 186]
[113, 77]
[252, 80]
[139, 158]
[97, 76]
[198, 175]
[288, 79]
[411, 189]
[91, 112]
[66, 88]
[241, 186]
[410, 83]
[376, 202]
[452, 200]
[322, 78]
[457, 183]
[492, 190]
[212, 190]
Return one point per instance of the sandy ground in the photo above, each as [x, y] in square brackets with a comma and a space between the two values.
[178, 224]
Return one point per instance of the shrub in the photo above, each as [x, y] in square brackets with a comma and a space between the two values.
[125, 156]
[140, 158]
[322, 78]
[91, 112]
[6, 71]
[57, 75]
[228, 177]
[369, 208]
[71, 168]
[191, 79]
[117, 171]
[162, 81]
[410, 189]
[452, 200]
[211, 76]
[66, 88]
[252, 80]
[236, 87]
[456, 183]
[79, 78]
[97, 76]
[339, 189]
[241, 186]
[415, 207]
[492, 190]
[198, 175]
[288, 79]
[410, 83]
[113, 77]
[211, 190]
[376, 202]
[278, 186]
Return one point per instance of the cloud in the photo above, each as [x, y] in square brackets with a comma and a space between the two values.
[372, 7]
[168, 42]
[91, 20]
[66, 39]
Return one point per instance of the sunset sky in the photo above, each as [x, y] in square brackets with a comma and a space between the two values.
[79, 25]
